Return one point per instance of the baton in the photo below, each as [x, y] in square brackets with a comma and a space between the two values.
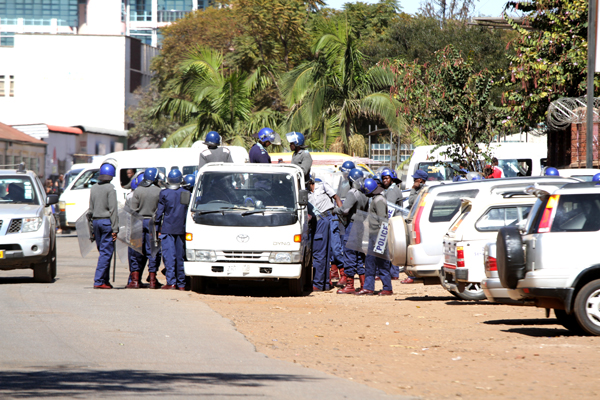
[114, 260]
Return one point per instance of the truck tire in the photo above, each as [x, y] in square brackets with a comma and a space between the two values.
[296, 286]
[569, 321]
[198, 284]
[510, 257]
[587, 308]
[473, 291]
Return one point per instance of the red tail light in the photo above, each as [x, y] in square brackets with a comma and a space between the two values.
[460, 257]
[548, 215]
[417, 224]
[490, 264]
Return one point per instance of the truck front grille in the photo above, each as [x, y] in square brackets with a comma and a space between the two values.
[245, 256]
[15, 226]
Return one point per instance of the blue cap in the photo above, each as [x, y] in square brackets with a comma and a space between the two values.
[420, 174]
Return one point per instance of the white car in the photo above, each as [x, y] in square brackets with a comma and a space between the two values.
[584, 174]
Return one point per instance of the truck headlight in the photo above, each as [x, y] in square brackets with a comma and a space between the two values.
[206, 255]
[285, 257]
[31, 224]
[190, 255]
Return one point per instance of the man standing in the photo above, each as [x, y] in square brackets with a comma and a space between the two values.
[170, 222]
[145, 202]
[104, 210]
[258, 153]
[420, 178]
[321, 207]
[353, 260]
[214, 153]
[301, 156]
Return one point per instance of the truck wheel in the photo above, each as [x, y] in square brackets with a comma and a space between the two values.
[296, 286]
[473, 291]
[587, 308]
[510, 257]
[569, 321]
[198, 284]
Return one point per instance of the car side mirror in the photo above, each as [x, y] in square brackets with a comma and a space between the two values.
[303, 197]
[184, 198]
[51, 199]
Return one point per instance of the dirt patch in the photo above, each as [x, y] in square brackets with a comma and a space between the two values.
[421, 341]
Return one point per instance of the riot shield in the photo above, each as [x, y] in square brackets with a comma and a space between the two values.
[122, 252]
[369, 235]
[395, 210]
[85, 234]
[154, 242]
[343, 187]
[131, 229]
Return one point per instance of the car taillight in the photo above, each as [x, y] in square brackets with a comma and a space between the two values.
[417, 224]
[548, 215]
[460, 257]
[490, 264]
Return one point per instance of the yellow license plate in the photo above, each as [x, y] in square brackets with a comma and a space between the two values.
[1, 253]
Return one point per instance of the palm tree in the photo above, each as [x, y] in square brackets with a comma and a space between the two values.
[331, 93]
[206, 98]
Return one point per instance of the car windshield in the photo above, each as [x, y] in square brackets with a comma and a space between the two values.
[17, 190]
[439, 171]
[231, 191]
[515, 167]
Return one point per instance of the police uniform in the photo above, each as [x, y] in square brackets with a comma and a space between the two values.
[375, 265]
[321, 208]
[303, 159]
[353, 260]
[145, 202]
[170, 218]
[215, 154]
[104, 209]
[259, 155]
[335, 238]
[393, 195]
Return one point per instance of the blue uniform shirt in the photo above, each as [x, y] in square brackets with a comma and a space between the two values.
[258, 154]
[174, 213]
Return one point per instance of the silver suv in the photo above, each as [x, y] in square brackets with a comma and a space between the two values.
[554, 263]
[27, 226]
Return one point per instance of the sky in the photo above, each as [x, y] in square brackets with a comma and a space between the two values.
[492, 8]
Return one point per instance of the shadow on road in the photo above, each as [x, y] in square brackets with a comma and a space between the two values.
[69, 383]
[528, 327]
[540, 332]
[430, 298]
[16, 279]
[522, 322]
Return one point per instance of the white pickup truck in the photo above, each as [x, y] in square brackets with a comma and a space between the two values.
[249, 222]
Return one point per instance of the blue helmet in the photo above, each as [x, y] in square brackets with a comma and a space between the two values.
[107, 171]
[134, 180]
[174, 178]
[347, 166]
[369, 185]
[140, 178]
[551, 171]
[150, 174]
[355, 174]
[266, 135]
[389, 172]
[212, 138]
[477, 177]
[295, 138]
[189, 180]
[596, 178]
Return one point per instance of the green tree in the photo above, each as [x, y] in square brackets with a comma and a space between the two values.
[550, 59]
[370, 20]
[208, 97]
[329, 94]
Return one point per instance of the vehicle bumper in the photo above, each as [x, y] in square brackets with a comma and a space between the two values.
[24, 245]
[421, 265]
[454, 278]
[495, 292]
[242, 270]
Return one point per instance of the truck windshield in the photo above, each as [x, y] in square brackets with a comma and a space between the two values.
[232, 191]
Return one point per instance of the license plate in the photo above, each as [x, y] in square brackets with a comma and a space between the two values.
[1, 253]
[237, 269]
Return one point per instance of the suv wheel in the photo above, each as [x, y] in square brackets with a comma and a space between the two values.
[473, 291]
[569, 321]
[42, 272]
[510, 257]
[53, 261]
[587, 308]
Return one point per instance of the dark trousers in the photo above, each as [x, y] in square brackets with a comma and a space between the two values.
[173, 252]
[106, 248]
[321, 254]
[354, 261]
[380, 267]
[335, 243]
[140, 259]
[395, 271]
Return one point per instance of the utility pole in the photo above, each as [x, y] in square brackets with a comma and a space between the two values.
[589, 155]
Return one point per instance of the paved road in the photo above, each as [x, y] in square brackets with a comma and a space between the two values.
[66, 340]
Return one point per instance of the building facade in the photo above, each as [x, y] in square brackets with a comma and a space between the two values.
[17, 147]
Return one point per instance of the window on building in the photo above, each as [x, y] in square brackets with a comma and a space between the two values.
[2, 79]
[145, 35]
[7, 39]
[40, 12]
[10, 161]
[140, 10]
[1, 160]
[11, 85]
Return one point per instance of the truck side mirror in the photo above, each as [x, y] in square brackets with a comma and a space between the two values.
[303, 197]
[184, 198]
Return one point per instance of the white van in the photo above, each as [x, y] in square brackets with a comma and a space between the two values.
[76, 196]
[515, 159]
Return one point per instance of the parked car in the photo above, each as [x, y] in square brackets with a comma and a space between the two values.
[553, 264]
[583, 174]
[27, 226]
[421, 247]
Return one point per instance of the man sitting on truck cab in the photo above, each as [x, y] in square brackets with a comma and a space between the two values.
[258, 153]
[214, 153]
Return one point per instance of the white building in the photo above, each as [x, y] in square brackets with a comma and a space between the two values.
[71, 80]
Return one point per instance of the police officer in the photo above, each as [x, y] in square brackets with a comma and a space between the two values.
[188, 182]
[420, 178]
[104, 210]
[144, 202]
[353, 260]
[393, 195]
[301, 156]
[214, 153]
[258, 153]
[375, 265]
[321, 207]
[170, 220]
[132, 254]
